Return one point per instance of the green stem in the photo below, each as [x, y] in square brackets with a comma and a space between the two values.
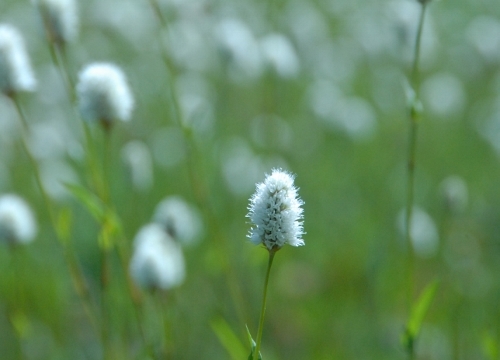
[71, 260]
[195, 169]
[164, 309]
[105, 250]
[263, 309]
[412, 146]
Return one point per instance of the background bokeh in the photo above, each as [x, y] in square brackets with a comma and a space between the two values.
[313, 86]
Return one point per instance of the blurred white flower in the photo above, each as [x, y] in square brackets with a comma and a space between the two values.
[104, 94]
[275, 212]
[179, 219]
[60, 19]
[16, 73]
[353, 115]
[483, 33]
[238, 44]
[137, 158]
[402, 25]
[423, 232]
[157, 262]
[17, 222]
[196, 99]
[240, 167]
[186, 42]
[54, 174]
[455, 193]
[444, 94]
[280, 54]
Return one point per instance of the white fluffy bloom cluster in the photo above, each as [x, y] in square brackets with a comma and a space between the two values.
[179, 219]
[157, 262]
[104, 94]
[16, 73]
[276, 213]
[17, 222]
[60, 19]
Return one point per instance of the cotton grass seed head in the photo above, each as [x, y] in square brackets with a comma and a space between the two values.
[17, 222]
[275, 212]
[60, 19]
[157, 262]
[179, 219]
[103, 94]
[16, 73]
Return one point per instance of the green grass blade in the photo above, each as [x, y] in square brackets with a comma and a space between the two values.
[418, 312]
[228, 339]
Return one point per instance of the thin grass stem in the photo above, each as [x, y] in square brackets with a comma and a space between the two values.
[195, 173]
[263, 308]
[77, 276]
[412, 153]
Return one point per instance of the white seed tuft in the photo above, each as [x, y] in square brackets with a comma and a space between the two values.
[181, 220]
[276, 213]
[104, 94]
[16, 73]
[157, 262]
[60, 19]
[17, 222]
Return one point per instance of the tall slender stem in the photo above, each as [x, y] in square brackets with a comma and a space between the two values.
[412, 146]
[75, 270]
[195, 167]
[263, 309]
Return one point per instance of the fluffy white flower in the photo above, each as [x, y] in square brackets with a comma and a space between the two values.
[181, 220]
[17, 222]
[104, 94]
[280, 54]
[276, 213]
[60, 19]
[157, 262]
[15, 68]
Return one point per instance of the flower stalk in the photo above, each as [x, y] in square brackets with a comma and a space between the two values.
[414, 116]
[276, 214]
[256, 352]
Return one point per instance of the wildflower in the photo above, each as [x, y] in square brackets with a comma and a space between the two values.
[60, 19]
[423, 232]
[137, 158]
[157, 262]
[103, 94]
[278, 51]
[454, 193]
[15, 68]
[179, 219]
[17, 222]
[276, 213]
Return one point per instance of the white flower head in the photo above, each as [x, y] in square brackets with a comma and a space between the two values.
[104, 94]
[179, 219]
[275, 212]
[17, 222]
[16, 73]
[157, 262]
[60, 19]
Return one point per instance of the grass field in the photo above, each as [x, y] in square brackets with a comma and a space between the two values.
[224, 92]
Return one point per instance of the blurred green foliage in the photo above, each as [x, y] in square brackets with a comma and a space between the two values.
[336, 117]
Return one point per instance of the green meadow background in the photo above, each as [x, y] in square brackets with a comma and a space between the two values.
[333, 112]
